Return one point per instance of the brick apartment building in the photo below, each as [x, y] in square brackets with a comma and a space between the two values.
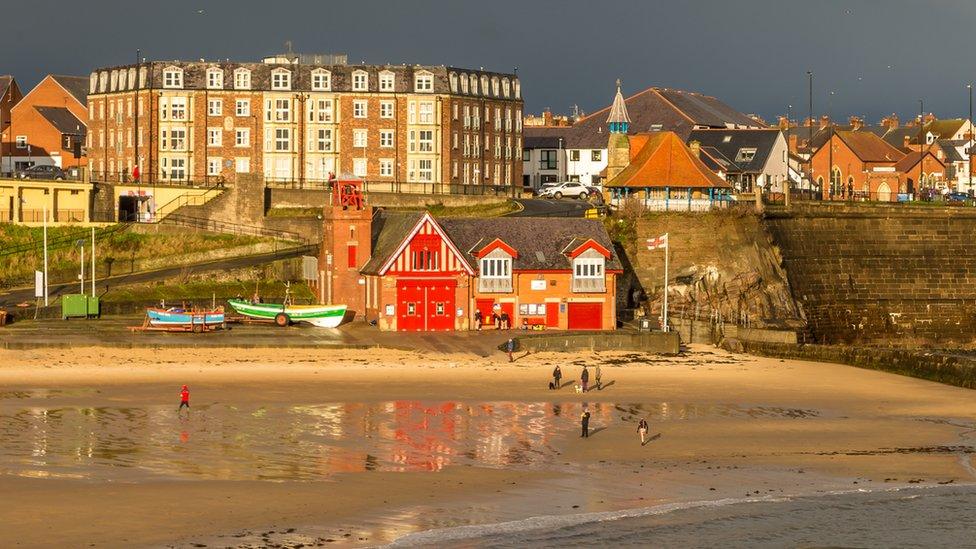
[44, 126]
[304, 122]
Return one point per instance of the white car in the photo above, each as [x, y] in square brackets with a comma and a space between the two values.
[568, 188]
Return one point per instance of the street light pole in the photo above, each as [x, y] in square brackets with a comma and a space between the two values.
[969, 146]
[810, 132]
[921, 117]
[830, 142]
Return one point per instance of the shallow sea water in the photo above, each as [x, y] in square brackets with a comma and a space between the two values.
[941, 516]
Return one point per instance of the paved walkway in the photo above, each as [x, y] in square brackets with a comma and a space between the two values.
[538, 207]
[113, 332]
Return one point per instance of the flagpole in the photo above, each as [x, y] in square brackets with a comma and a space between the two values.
[667, 254]
[45, 254]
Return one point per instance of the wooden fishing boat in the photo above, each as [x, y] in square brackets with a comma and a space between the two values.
[178, 319]
[323, 316]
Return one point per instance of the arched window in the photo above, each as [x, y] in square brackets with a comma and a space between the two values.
[464, 84]
[835, 179]
[820, 184]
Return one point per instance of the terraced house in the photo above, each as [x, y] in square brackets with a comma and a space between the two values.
[298, 118]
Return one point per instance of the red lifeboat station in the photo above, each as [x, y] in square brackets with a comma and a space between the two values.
[412, 272]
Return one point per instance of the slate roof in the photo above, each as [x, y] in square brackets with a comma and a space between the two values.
[950, 148]
[896, 137]
[63, 120]
[716, 161]
[946, 128]
[5, 80]
[77, 86]
[521, 233]
[654, 109]
[761, 140]
[661, 159]
[542, 137]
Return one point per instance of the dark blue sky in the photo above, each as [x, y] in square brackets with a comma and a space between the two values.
[878, 56]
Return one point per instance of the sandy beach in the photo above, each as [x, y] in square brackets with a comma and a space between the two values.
[303, 447]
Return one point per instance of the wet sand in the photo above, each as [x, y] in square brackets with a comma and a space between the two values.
[304, 446]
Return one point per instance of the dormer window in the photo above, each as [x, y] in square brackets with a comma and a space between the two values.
[495, 273]
[93, 82]
[242, 79]
[494, 86]
[321, 80]
[387, 81]
[281, 79]
[496, 267]
[745, 155]
[518, 89]
[215, 79]
[588, 267]
[588, 273]
[474, 84]
[453, 80]
[464, 84]
[173, 78]
[423, 82]
[506, 88]
[360, 81]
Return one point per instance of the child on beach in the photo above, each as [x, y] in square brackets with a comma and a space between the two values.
[642, 430]
[184, 398]
[510, 348]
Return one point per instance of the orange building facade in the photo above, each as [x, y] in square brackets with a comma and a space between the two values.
[418, 273]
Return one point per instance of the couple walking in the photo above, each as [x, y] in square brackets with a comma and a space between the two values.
[557, 376]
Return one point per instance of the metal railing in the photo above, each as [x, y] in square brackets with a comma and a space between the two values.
[188, 199]
[400, 187]
[212, 225]
[153, 179]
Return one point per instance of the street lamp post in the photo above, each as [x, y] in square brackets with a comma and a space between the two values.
[921, 119]
[969, 146]
[810, 133]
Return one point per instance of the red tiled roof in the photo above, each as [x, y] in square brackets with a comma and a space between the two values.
[661, 159]
[869, 147]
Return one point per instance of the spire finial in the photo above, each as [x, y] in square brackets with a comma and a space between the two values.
[618, 121]
[618, 84]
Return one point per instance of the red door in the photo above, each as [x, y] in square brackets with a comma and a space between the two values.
[425, 305]
[510, 309]
[552, 315]
[485, 306]
[585, 316]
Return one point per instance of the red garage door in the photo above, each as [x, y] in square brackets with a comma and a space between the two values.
[585, 316]
[425, 305]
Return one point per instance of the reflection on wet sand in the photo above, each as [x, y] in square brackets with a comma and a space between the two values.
[307, 442]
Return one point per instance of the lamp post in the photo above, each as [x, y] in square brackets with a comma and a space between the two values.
[969, 146]
[810, 132]
[921, 119]
[786, 182]
[830, 141]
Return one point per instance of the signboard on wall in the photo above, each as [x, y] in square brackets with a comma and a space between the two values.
[538, 284]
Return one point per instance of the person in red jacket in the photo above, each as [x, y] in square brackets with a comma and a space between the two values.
[184, 398]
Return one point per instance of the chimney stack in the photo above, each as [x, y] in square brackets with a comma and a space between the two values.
[784, 123]
[890, 122]
[547, 117]
[855, 122]
[824, 121]
[930, 117]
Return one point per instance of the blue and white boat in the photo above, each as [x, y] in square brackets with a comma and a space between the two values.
[177, 318]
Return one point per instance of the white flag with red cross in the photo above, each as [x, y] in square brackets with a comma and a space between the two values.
[658, 243]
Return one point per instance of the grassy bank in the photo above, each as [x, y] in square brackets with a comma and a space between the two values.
[117, 249]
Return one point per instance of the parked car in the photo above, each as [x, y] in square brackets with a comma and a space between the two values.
[568, 188]
[539, 191]
[42, 172]
[957, 197]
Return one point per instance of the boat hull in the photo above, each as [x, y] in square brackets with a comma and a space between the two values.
[171, 317]
[323, 316]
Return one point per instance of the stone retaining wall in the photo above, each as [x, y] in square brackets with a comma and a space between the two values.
[650, 342]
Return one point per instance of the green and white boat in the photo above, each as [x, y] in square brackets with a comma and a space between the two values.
[283, 314]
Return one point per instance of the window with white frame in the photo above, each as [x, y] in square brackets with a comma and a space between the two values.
[359, 167]
[464, 84]
[474, 84]
[454, 111]
[494, 86]
[21, 141]
[453, 81]
[359, 108]
[281, 79]
[360, 81]
[426, 112]
[426, 141]
[215, 79]
[496, 267]
[386, 109]
[425, 170]
[214, 137]
[423, 82]
[282, 110]
[177, 108]
[386, 139]
[282, 139]
[454, 140]
[242, 107]
[242, 164]
[215, 107]
[177, 139]
[320, 111]
[588, 267]
[322, 140]
[213, 165]
[321, 80]
[173, 78]
[506, 89]
[242, 79]
[242, 137]
[518, 88]
[359, 138]
[387, 82]
[174, 168]
[386, 167]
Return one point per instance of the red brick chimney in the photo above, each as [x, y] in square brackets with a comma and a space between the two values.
[793, 142]
[547, 117]
[930, 117]
[784, 123]
[907, 140]
[890, 122]
[824, 121]
[855, 122]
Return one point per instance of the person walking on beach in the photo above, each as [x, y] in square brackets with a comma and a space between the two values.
[642, 430]
[585, 422]
[184, 398]
[585, 378]
[510, 348]
[598, 374]
[557, 376]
